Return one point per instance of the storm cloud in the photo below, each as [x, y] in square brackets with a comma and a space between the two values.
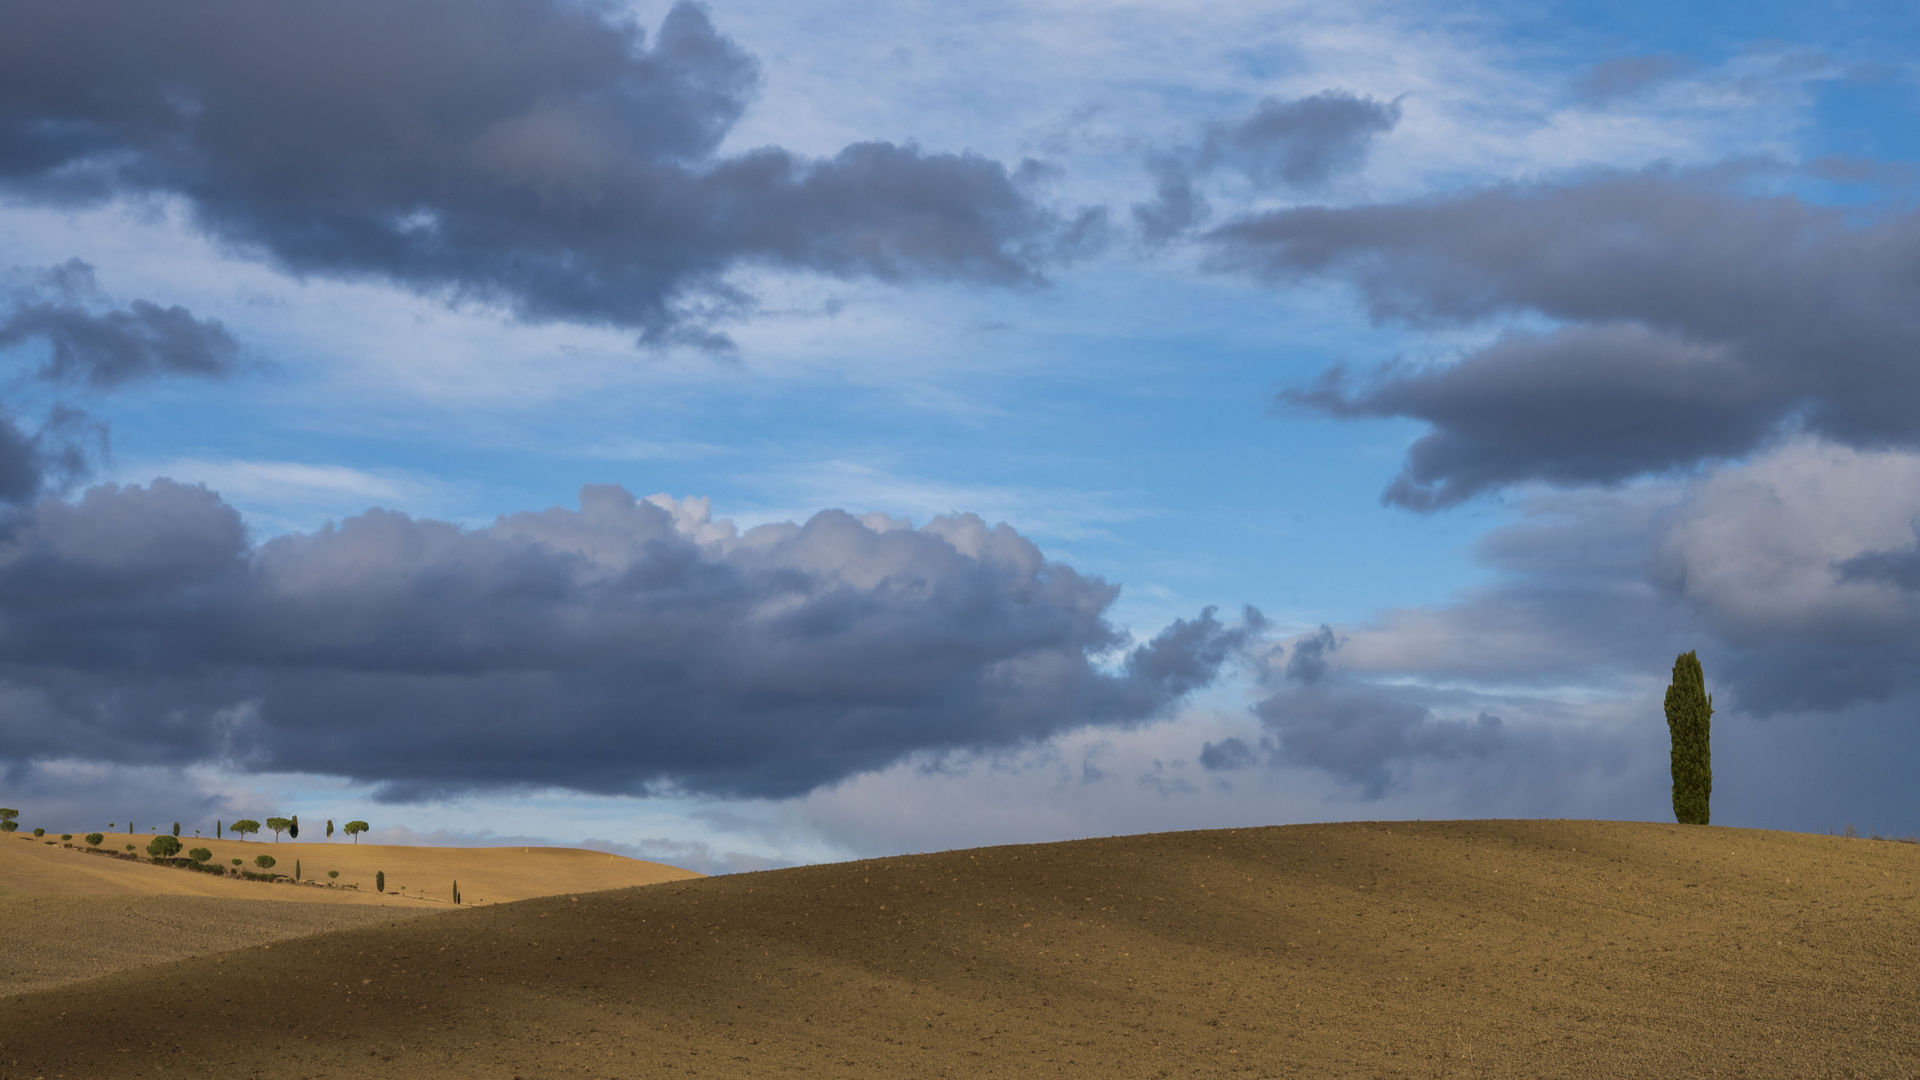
[542, 155]
[1689, 321]
[629, 646]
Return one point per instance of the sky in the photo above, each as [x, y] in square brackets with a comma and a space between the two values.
[749, 434]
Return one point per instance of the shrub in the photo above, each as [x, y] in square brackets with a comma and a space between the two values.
[456, 893]
[39, 832]
[264, 862]
[66, 836]
[163, 847]
[296, 869]
[333, 873]
[129, 847]
[200, 854]
[94, 839]
[236, 862]
[380, 881]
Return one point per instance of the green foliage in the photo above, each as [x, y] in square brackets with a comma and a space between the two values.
[456, 891]
[279, 825]
[129, 847]
[296, 869]
[244, 826]
[200, 854]
[66, 836]
[8, 814]
[94, 839]
[329, 828]
[39, 832]
[176, 828]
[236, 862]
[355, 828]
[1689, 720]
[264, 862]
[380, 880]
[8, 826]
[333, 873]
[163, 847]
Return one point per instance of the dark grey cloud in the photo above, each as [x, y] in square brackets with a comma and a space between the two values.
[538, 154]
[623, 647]
[1624, 76]
[91, 342]
[1692, 321]
[1299, 144]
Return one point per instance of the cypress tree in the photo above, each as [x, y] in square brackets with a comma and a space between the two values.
[1689, 716]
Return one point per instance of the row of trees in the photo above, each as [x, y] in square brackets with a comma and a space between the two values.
[246, 827]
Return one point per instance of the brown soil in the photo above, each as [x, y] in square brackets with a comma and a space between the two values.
[52, 941]
[415, 875]
[1505, 949]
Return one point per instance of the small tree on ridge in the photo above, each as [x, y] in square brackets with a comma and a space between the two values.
[355, 828]
[244, 826]
[278, 825]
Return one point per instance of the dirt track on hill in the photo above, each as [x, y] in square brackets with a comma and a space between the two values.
[1500, 949]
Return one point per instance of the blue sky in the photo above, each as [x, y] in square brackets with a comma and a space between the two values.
[1117, 397]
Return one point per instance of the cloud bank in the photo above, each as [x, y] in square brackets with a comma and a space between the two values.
[627, 647]
[1690, 321]
[541, 155]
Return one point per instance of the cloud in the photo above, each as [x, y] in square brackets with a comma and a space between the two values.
[1799, 563]
[60, 307]
[627, 647]
[537, 154]
[1355, 730]
[92, 343]
[1299, 144]
[1624, 76]
[1691, 322]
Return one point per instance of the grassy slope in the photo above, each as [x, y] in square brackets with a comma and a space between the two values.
[1436, 949]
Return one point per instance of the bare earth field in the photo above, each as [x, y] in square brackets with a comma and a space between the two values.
[1501, 949]
[69, 914]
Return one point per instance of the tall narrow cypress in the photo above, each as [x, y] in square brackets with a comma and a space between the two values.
[1689, 717]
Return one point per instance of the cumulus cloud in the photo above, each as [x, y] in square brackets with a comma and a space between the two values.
[538, 154]
[1692, 322]
[1298, 145]
[629, 646]
[1799, 562]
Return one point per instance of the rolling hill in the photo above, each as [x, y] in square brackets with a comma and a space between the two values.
[1501, 949]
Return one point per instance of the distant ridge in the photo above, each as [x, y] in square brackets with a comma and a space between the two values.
[1458, 949]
